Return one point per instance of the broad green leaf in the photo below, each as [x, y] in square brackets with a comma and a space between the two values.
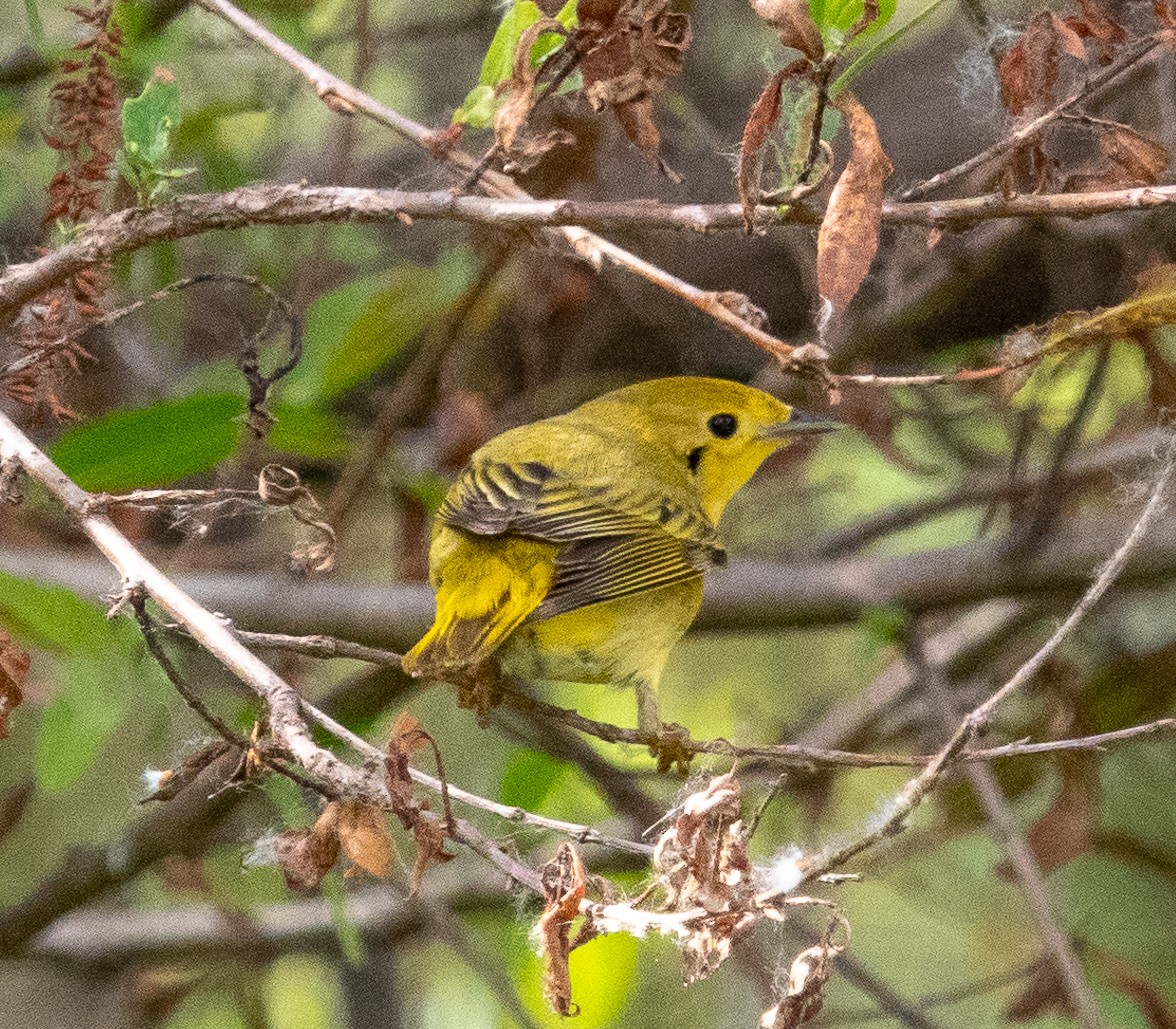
[54, 618]
[151, 446]
[148, 121]
[356, 329]
[90, 699]
[836, 17]
[308, 431]
[529, 778]
[477, 110]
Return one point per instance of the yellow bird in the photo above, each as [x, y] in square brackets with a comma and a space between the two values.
[573, 549]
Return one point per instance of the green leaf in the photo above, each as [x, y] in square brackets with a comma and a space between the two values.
[836, 17]
[529, 778]
[89, 702]
[151, 446]
[148, 121]
[53, 618]
[477, 110]
[356, 329]
[308, 431]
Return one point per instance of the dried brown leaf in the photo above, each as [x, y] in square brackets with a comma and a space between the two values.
[765, 112]
[14, 666]
[430, 834]
[1096, 23]
[565, 884]
[1066, 830]
[848, 237]
[1028, 70]
[520, 89]
[626, 54]
[794, 24]
[870, 11]
[363, 835]
[406, 739]
[305, 856]
[702, 861]
[806, 988]
[1143, 158]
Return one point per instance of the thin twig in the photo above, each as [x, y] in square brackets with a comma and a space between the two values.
[286, 708]
[1055, 942]
[346, 99]
[789, 754]
[298, 204]
[916, 789]
[1028, 131]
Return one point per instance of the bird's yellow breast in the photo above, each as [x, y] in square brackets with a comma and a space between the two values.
[621, 641]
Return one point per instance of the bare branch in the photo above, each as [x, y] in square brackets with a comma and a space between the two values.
[1130, 58]
[914, 792]
[298, 204]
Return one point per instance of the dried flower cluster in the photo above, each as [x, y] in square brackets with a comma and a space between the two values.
[85, 134]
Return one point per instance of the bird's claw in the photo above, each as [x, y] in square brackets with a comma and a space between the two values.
[479, 692]
[670, 744]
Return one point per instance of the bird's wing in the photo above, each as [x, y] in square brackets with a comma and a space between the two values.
[611, 567]
[532, 499]
[617, 538]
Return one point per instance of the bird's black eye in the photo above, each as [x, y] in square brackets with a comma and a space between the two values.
[723, 425]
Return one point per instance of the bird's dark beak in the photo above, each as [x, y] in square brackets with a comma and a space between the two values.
[800, 421]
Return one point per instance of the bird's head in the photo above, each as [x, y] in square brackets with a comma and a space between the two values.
[720, 431]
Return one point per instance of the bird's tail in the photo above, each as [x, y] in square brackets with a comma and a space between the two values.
[486, 589]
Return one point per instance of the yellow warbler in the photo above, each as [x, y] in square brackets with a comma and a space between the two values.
[572, 549]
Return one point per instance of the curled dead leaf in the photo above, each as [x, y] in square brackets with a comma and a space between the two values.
[627, 52]
[305, 856]
[807, 977]
[430, 834]
[14, 666]
[794, 25]
[363, 835]
[702, 861]
[848, 237]
[565, 885]
[765, 112]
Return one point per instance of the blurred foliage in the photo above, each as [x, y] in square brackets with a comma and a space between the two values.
[491, 330]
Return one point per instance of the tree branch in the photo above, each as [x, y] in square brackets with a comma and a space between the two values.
[916, 789]
[297, 204]
[344, 98]
[1096, 82]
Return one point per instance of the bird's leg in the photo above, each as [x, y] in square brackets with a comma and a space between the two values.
[479, 690]
[668, 742]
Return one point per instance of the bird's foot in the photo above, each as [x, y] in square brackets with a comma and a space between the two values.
[480, 692]
[670, 744]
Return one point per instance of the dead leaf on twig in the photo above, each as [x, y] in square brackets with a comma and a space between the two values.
[305, 856]
[1066, 830]
[565, 884]
[363, 835]
[807, 977]
[14, 666]
[429, 832]
[702, 861]
[765, 112]
[794, 25]
[848, 238]
[628, 51]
